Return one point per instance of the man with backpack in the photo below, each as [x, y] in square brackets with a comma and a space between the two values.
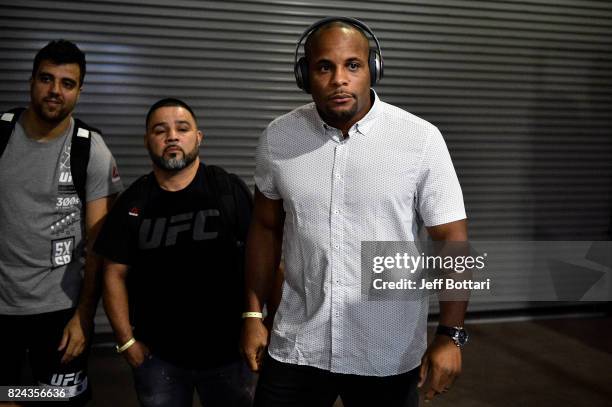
[173, 280]
[57, 181]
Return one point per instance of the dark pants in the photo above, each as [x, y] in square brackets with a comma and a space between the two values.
[283, 384]
[160, 383]
[39, 335]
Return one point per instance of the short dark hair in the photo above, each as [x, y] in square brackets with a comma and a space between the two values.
[60, 52]
[168, 102]
[326, 26]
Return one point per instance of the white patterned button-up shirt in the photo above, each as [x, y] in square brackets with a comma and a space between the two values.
[392, 173]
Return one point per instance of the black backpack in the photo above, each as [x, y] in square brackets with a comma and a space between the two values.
[235, 202]
[79, 149]
[236, 206]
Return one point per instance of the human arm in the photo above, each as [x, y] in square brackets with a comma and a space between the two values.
[263, 251]
[275, 295]
[441, 363]
[116, 305]
[78, 329]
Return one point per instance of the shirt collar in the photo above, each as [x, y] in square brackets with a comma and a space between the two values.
[363, 126]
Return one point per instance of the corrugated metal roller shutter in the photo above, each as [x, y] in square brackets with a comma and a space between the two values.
[522, 90]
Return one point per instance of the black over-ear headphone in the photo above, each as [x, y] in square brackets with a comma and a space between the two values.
[375, 60]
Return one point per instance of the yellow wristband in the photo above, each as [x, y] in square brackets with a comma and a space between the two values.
[125, 346]
[252, 314]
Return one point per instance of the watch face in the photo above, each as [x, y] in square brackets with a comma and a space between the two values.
[458, 334]
[461, 336]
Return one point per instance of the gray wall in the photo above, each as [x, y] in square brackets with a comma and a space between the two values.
[521, 90]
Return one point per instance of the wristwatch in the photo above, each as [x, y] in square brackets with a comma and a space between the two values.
[457, 333]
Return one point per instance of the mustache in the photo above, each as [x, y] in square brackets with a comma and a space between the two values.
[341, 94]
[53, 99]
[174, 146]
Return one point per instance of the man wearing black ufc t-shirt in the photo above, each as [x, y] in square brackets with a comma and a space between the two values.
[173, 286]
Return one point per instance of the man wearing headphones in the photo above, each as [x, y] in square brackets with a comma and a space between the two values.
[330, 174]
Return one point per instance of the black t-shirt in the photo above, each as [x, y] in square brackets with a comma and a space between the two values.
[184, 290]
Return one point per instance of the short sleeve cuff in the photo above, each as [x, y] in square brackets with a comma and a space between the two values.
[113, 188]
[442, 218]
[265, 191]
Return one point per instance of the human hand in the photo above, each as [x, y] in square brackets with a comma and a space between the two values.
[136, 354]
[440, 366]
[75, 337]
[253, 342]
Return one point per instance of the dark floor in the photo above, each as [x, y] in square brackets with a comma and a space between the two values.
[549, 362]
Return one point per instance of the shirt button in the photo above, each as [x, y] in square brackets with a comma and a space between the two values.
[336, 211]
[338, 176]
[336, 246]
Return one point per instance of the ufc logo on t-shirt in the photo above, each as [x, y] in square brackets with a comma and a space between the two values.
[153, 230]
[61, 251]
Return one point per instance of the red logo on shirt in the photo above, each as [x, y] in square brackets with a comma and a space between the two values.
[134, 211]
[115, 174]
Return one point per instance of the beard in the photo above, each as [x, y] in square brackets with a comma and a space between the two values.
[339, 116]
[51, 116]
[175, 163]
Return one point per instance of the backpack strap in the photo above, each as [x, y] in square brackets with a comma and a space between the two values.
[7, 124]
[235, 201]
[79, 150]
[79, 156]
[235, 204]
[244, 205]
[219, 184]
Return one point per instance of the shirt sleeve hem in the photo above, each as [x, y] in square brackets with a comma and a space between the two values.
[268, 194]
[104, 194]
[442, 218]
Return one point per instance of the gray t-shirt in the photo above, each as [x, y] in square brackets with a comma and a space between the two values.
[42, 220]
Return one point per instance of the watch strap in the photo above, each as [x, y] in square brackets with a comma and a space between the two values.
[457, 333]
